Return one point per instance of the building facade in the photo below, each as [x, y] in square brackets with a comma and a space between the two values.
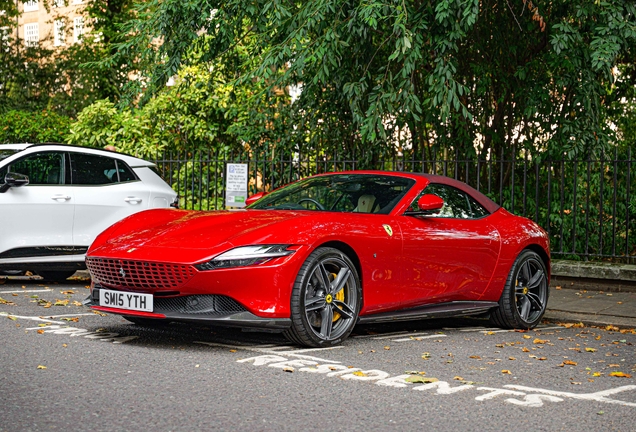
[56, 23]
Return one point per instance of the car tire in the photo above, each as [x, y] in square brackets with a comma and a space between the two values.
[147, 322]
[525, 295]
[325, 300]
[56, 275]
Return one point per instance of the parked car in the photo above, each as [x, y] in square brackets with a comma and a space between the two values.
[316, 257]
[55, 199]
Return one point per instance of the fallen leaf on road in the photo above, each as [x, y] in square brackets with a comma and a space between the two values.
[288, 369]
[475, 357]
[539, 341]
[387, 348]
[420, 379]
[458, 378]
[596, 374]
[426, 356]
[611, 328]
[569, 362]
[527, 336]
[12, 318]
[620, 375]
[41, 367]
[7, 302]
[76, 303]
[542, 358]
[524, 349]
[60, 302]
[506, 371]
[68, 292]
[75, 319]
[40, 331]
[590, 349]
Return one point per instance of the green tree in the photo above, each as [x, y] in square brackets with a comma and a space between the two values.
[466, 75]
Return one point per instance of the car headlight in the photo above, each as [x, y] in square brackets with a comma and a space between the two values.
[246, 256]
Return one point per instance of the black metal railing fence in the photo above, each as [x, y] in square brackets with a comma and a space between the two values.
[586, 205]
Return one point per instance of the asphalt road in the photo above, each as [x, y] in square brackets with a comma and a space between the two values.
[64, 367]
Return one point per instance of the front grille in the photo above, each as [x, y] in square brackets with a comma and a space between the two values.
[116, 273]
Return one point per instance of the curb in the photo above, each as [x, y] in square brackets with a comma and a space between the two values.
[556, 316]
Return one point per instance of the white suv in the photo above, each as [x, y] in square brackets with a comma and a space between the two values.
[55, 199]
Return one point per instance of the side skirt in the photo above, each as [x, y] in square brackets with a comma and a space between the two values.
[442, 310]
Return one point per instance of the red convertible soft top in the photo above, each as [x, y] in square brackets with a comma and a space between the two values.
[482, 199]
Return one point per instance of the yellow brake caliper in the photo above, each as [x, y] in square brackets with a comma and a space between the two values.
[340, 296]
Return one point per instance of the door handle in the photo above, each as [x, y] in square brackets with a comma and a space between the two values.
[60, 197]
[132, 200]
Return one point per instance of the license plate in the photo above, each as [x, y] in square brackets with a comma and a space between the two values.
[125, 300]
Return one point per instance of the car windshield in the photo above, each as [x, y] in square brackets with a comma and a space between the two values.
[357, 193]
[5, 153]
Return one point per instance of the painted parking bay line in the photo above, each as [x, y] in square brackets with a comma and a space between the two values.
[25, 291]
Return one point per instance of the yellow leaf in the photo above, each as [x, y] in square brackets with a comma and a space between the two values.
[596, 374]
[570, 362]
[41, 367]
[490, 333]
[506, 371]
[620, 375]
[288, 369]
[61, 302]
[475, 357]
[458, 378]
[68, 292]
[426, 356]
[420, 379]
[590, 349]
[527, 336]
[542, 358]
[360, 374]
[232, 350]
[499, 345]
[511, 358]
[524, 349]
[387, 348]
[539, 341]
[76, 303]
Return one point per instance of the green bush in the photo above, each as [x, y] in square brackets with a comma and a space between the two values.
[33, 126]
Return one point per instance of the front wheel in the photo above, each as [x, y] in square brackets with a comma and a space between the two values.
[325, 300]
[525, 295]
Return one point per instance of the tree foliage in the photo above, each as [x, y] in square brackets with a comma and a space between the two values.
[469, 75]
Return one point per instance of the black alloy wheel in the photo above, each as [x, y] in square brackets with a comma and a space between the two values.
[525, 295]
[325, 299]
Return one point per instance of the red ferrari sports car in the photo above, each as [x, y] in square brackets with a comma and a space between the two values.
[316, 257]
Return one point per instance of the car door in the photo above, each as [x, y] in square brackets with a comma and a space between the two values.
[37, 219]
[106, 191]
[450, 256]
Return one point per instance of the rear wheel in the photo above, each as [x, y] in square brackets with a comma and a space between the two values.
[56, 275]
[525, 295]
[325, 300]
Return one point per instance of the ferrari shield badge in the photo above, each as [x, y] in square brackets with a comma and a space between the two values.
[388, 229]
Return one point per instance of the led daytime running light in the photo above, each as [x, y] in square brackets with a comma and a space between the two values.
[246, 256]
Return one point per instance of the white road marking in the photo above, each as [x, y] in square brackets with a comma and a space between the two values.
[269, 351]
[377, 335]
[35, 319]
[600, 396]
[67, 315]
[80, 332]
[536, 398]
[398, 334]
[25, 291]
[416, 338]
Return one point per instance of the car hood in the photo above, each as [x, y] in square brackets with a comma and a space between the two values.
[190, 236]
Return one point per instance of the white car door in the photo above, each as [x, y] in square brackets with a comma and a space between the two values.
[37, 219]
[106, 191]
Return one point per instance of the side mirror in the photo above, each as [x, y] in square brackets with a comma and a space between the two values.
[253, 198]
[430, 203]
[13, 180]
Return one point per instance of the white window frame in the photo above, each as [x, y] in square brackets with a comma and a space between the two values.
[59, 34]
[78, 29]
[31, 6]
[78, 1]
[31, 34]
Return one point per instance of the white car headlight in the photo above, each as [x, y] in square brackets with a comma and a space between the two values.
[246, 256]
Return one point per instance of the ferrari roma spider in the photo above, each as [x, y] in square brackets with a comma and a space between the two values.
[316, 257]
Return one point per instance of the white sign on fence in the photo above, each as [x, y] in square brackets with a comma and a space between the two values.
[236, 185]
